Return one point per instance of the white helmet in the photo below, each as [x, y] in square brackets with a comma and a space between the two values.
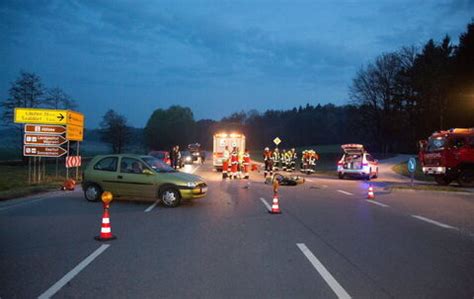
[267, 149]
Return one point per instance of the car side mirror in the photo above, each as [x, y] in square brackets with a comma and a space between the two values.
[147, 172]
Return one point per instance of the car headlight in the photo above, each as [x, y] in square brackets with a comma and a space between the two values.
[188, 158]
[191, 184]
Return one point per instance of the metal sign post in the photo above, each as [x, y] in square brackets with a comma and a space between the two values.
[77, 168]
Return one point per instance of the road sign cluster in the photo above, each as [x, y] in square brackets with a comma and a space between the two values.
[45, 130]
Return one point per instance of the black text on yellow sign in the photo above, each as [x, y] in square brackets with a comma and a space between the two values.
[48, 116]
[74, 133]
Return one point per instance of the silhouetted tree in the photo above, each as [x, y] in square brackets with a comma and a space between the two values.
[26, 92]
[168, 127]
[56, 98]
[115, 131]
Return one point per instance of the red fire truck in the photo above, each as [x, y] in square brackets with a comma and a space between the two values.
[449, 156]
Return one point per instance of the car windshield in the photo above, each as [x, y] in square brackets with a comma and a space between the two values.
[436, 144]
[157, 165]
[185, 153]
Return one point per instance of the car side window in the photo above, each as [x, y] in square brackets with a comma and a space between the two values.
[107, 164]
[130, 165]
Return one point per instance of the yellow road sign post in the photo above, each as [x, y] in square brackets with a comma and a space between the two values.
[74, 133]
[75, 118]
[277, 141]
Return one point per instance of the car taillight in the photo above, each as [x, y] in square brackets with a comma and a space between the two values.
[340, 163]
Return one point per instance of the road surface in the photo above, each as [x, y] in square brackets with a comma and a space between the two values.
[329, 242]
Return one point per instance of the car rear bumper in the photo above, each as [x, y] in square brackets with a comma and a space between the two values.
[354, 172]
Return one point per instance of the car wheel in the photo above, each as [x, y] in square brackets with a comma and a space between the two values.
[92, 192]
[170, 197]
[466, 178]
[376, 173]
[442, 180]
[340, 175]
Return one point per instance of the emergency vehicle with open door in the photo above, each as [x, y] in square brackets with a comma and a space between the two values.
[357, 162]
[221, 140]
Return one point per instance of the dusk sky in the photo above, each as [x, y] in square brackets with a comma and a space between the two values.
[216, 57]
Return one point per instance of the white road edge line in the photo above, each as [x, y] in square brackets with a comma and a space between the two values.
[152, 206]
[265, 203]
[330, 280]
[344, 192]
[377, 203]
[69, 276]
[434, 222]
[20, 204]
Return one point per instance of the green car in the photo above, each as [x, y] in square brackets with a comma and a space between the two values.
[139, 177]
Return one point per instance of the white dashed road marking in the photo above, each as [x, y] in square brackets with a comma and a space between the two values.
[69, 276]
[330, 280]
[265, 203]
[378, 203]
[344, 192]
[152, 206]
[434, 222]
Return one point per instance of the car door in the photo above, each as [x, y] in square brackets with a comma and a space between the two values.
[105, 173]
[134, 183]
[372, 163]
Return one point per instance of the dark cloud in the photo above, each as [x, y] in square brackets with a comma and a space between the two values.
[257, 54]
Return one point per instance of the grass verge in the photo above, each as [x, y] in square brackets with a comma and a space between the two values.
[402, 169]
[429, 188]
[14, 180]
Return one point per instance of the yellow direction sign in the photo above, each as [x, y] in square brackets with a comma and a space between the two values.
[75, 118]
[74, 133]
[277, 141]
[40, 116]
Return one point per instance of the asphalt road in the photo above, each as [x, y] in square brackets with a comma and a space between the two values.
[329, 242]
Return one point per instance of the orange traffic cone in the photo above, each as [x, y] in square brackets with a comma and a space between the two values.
[69, 185]
[371, 194]
[275, 206]
[105, 229]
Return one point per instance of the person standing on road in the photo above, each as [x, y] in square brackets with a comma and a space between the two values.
[225, 162]
[178, 157]
[267, 159]
[174, 157]
[276, 159]
[234, 160]
[283, 160]
[293, 156]
[246, 164]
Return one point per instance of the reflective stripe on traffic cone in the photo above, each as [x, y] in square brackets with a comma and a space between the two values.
[275, 206]
[105, 229]
[371, 194]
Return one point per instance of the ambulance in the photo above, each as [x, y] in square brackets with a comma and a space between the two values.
[221, 140]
